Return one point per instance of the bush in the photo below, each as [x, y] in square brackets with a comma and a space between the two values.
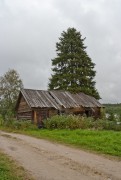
[68, 122]
[19, 125]
[1, 120]
[77, 122]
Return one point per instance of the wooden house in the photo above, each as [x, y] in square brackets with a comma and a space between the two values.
[36, 105]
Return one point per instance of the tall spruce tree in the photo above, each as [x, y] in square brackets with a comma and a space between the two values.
[73, 69]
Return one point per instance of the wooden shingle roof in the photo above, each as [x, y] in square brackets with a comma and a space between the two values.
[70, 100]
[57, 99]
[39, 98]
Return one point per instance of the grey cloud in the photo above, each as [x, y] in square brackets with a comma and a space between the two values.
[29, 30]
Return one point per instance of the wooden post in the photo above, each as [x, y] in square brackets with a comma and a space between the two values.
[35, 117]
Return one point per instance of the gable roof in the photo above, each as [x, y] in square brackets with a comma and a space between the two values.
[57, 99]
[39, 98]
[68, 100]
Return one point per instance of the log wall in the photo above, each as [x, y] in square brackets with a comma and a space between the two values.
[24, 111]
[23, 106]
[97, 113]
[53, 112]
[76, 111]
[39, 114]
[24, 115]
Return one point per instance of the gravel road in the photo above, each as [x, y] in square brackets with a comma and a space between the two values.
[45, 160]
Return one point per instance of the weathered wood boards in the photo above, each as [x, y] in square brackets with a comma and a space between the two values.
[37, 105]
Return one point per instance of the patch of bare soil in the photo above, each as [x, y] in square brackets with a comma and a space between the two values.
[50, 161]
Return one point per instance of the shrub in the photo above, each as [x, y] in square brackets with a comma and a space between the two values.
[68, 122]
[19, 125]
[1, 120]
[111, 117]
[77, 122]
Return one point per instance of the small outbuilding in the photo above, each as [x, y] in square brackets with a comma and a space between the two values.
[36, 105]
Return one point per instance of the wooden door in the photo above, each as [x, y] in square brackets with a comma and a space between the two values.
[41, 115]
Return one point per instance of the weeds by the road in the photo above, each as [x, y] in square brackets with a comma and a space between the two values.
[79, 122]
[9, 170]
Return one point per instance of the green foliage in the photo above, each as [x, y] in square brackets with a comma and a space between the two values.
[111, 117]
[1, 120]
[102, 111]
[73, 69]
[66, 122]
[10, 85]
[113, 108]
[113, 112]
[77, 122]
[104, 124]
[19, 125]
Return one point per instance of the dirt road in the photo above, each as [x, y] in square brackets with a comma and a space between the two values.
[50, 161]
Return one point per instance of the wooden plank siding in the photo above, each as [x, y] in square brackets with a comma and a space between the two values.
[76, 110]
[24, 111]
[24, 115]
[53, 112]
[23, 106]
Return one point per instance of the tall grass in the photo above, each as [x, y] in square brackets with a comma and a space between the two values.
[77, 122]
[19, 125]
[1, 120]
[68, 122]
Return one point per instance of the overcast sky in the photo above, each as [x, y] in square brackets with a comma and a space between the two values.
[29, 30]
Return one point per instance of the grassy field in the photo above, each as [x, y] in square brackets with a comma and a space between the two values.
[9, 170]
[104, 142]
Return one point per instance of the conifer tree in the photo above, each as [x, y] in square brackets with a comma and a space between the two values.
[73, 70]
